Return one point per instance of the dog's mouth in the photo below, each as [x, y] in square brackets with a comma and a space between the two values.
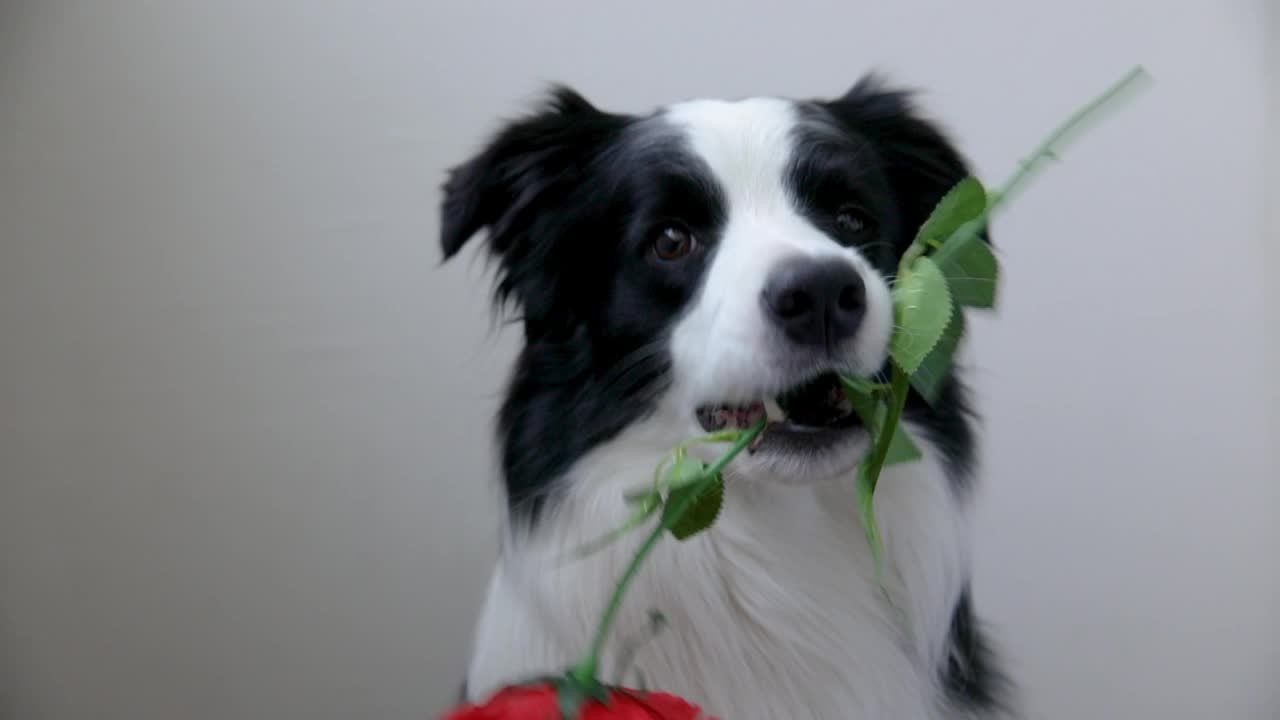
[810, 416]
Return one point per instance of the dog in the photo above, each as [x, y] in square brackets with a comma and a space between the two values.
[696, 267]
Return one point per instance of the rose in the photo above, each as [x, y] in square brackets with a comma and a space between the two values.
[542, 702]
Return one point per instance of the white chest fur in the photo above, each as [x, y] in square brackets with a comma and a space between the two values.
[774, 613]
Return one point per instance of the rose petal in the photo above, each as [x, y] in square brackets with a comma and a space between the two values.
[540, 702]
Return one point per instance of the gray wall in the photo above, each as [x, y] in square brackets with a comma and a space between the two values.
[245, 462]
[1272, 247]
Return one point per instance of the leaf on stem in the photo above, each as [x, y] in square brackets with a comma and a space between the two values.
[860, 385]
[963, 202]
[902, 449]
[922, 306]
[929, 377]
[971, 270]
[868, 401]
[700, 513]
[684, 472]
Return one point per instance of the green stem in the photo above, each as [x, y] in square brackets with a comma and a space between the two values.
[898, 390]
[1071, 126]
[585, 670]
[1047, 149]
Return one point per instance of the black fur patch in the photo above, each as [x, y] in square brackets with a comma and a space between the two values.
[572, 199]
[970, 676]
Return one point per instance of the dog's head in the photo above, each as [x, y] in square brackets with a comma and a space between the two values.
[711, 262]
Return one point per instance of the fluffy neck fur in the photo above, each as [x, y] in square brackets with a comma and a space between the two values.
[775, 613]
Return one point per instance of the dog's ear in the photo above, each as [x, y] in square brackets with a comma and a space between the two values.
[529, 187]
[920, 161]
[522, 170]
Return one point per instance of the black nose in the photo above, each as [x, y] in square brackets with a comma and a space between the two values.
[818, 303]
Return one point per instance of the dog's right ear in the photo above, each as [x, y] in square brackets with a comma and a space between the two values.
[522, 171]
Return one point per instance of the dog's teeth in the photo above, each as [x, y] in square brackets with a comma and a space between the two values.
[712, 419]
[773, 410]
[840, 400]
[720, 417]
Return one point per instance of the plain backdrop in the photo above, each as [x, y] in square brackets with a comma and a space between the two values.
[246, 467]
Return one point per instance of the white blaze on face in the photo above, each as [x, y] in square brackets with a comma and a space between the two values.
[726, 349]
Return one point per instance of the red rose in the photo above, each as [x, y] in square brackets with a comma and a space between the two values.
[541, 702]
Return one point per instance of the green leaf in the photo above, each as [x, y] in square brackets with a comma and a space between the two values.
[928, 378]
[860, 385]
[872, 410]
[599, 693]
[963, 202]
[865, 404]
[719, 436]
[684, 472]
[701, 513]
[571, 695]
[902, 449]
[922, 306]
[967, 233]
[971, 271]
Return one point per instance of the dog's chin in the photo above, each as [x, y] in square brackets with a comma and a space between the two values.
[812, 433]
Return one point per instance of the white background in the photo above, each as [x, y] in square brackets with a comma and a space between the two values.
[245, 462]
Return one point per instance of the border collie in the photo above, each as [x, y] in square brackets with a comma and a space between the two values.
[699, 265]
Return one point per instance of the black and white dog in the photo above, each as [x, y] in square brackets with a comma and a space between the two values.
[703, 264]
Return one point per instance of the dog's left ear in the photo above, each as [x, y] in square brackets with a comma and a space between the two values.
[920, 161]
[527, 188]
[521, 171]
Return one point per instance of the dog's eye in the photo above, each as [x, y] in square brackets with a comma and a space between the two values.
[854, 221]
[673, 242]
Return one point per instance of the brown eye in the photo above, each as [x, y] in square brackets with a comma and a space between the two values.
[853, 220]
[673, 242]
